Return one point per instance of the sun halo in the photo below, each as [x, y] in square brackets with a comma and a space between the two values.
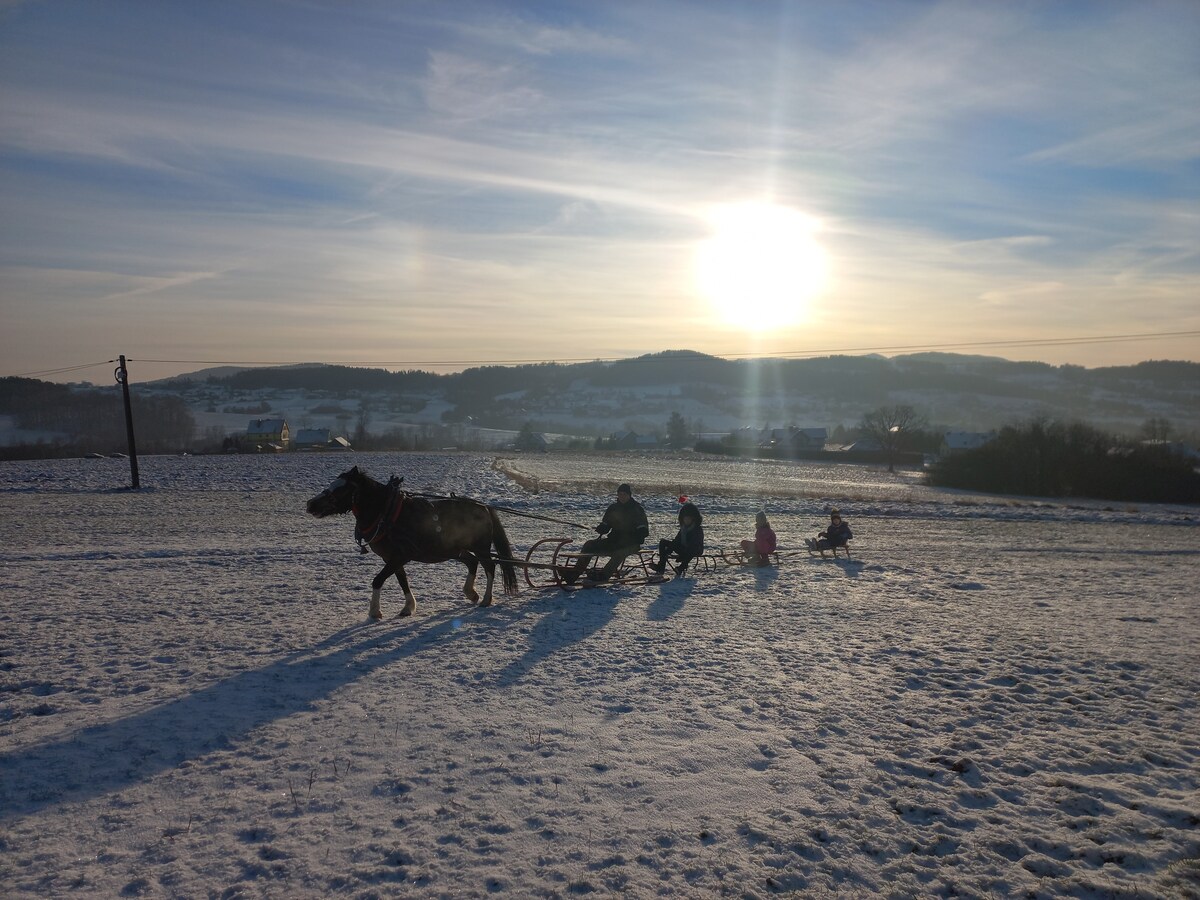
[761, 266]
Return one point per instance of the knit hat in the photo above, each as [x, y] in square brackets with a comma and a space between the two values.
[624, 489]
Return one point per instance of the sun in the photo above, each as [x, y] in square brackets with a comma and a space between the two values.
[762, 265]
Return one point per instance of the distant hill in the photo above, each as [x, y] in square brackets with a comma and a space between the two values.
[218, 373]
[589, 399]
[959, 391]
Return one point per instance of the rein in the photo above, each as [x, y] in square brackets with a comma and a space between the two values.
[365, 536]
[506, 509]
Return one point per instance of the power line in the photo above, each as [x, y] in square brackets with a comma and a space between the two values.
[64, 369]
[778, 354]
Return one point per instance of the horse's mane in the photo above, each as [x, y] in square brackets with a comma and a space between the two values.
[366, 477]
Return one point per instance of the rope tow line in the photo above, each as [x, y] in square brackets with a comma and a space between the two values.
[507, 509]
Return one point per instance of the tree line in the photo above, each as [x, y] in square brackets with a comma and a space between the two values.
[91, 419]
[1046, 458]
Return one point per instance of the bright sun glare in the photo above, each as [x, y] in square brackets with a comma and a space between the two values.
[761, 266]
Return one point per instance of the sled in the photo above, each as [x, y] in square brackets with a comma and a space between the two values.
[813, 550]
[547, 560]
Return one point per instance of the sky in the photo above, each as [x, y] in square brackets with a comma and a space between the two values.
[438, 185]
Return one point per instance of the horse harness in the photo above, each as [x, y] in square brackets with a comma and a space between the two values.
[382, 526]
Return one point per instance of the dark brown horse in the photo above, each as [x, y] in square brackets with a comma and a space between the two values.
[400, 528]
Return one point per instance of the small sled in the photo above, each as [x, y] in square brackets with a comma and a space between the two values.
[815, 549]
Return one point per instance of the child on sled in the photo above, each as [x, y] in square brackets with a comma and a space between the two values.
[836, 536]
[688, 543]
[758, 551]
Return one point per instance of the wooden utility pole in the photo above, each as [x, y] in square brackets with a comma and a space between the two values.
[122, 376]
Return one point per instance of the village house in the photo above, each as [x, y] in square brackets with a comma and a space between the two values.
[961, 441]
[809, 438]
[532, 441]
[789, 439]
[318, 439]
[631, 440]
[268, 434]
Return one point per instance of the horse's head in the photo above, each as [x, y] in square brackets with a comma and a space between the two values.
[339, 497]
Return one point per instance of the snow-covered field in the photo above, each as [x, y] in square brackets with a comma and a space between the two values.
[993, 698]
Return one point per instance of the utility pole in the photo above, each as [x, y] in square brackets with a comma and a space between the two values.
[122, 376]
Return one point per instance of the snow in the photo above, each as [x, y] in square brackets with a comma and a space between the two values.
[993, 697]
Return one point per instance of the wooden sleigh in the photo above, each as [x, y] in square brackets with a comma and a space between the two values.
[548, 560]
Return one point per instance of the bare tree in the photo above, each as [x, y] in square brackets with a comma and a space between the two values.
[891, 426]
[677, 431]
[364, 421]
[1157, 428]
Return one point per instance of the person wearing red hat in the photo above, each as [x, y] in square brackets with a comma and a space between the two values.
[688, 543]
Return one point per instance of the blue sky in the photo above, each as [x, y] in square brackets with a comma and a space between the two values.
[430, 185]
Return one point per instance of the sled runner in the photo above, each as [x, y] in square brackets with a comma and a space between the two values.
[549, 564]
[819, 548]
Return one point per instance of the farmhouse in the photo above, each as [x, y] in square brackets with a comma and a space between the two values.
[269, 434]
[809, 438]
[961, 441]
[631, 440]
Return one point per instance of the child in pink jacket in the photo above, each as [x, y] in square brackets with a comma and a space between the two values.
[758, 551]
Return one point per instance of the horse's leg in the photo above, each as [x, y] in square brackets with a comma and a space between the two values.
[469, 587]
[376, 586]
[489, 568]
[410, 601]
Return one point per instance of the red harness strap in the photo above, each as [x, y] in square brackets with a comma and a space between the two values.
[381, 526]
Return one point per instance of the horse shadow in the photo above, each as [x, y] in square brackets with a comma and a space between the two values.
[565, 619]
[113, 755]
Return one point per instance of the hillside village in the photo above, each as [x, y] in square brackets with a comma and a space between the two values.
[276, 436]
[679, 398]
[792, 405]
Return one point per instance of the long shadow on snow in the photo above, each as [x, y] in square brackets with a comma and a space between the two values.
[567, 618]
[115, 755]
[670, 599]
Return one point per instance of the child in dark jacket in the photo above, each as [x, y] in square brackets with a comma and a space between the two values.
[688, 543]
[836, 535]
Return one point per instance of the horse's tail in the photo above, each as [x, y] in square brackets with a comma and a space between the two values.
[504, 551]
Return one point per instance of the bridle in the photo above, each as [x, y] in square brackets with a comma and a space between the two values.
[382, 525]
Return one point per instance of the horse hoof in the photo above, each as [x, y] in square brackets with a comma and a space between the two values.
[377, 616]
[405, 613]
[486, 602]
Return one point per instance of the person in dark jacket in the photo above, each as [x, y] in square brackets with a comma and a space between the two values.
[758, 551]
[687, 544]
[836, 535]
[623, 528]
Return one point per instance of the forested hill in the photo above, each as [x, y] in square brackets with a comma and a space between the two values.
[851, 378]
[589, 399]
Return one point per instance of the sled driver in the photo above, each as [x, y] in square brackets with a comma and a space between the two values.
[623, 528]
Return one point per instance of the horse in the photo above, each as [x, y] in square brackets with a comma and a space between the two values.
[401, 527]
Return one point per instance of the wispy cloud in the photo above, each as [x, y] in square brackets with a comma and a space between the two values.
[542, 172]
